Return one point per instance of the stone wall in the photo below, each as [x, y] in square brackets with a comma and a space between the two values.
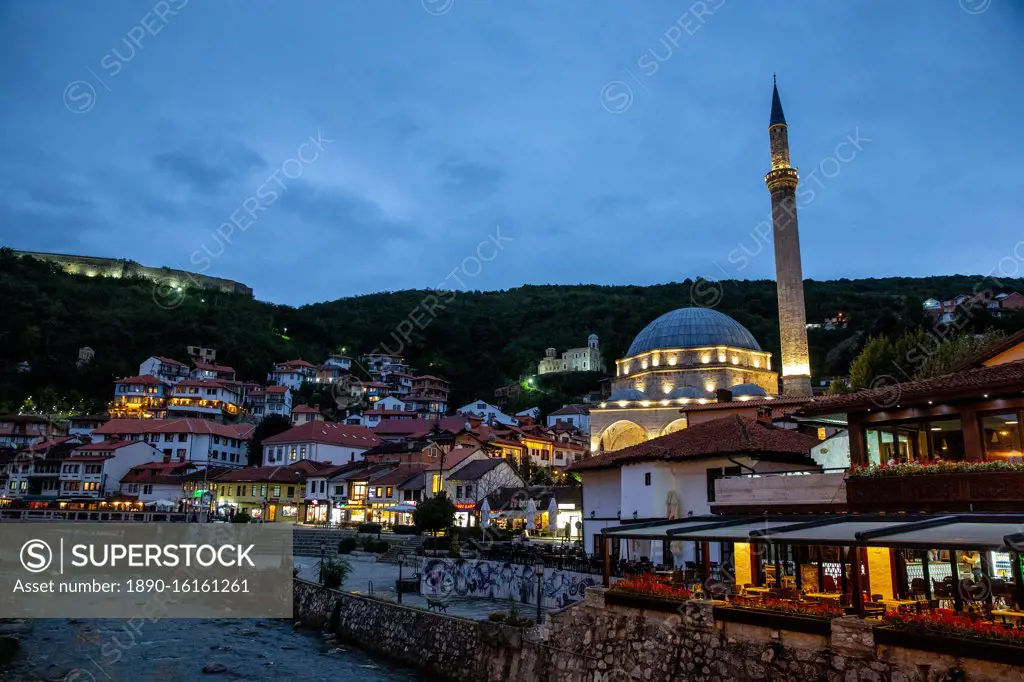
[592, 642]
[497, 580]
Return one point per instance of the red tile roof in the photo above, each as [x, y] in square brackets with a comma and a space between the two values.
[305, 409]
[291, 473]
[328, 433]
[570, 409]
[107, 445]
[170, 361]
[276, 389]
[213, 368]
[402, 473]
[145, 379]
[202, 383]
[295, 363]
[46, 445]
[1007, 378]
[729, 435]
[157, 472]
[88, 458]
[419, 428]
[195, 426]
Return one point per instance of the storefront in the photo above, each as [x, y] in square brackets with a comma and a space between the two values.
[317, 511]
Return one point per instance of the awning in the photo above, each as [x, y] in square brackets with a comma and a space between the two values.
[977, 532]
[658, 530]
[839, 531]
[730, 531]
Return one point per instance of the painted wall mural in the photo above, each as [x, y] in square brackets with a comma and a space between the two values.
[496, 580]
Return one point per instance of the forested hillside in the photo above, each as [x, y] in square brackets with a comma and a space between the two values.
[477, 340]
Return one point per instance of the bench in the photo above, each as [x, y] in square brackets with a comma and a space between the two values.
[436, 605]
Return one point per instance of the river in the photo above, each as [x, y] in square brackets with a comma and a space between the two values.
[173, 650]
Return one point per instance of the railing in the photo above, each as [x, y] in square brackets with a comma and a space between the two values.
[814, 490]
[796, 472]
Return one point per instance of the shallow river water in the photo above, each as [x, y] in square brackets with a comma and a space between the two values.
[171, 650]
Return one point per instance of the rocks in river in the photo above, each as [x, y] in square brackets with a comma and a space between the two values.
[214, 668]
[221, 647]
[263, 624]
[246, 633]
[297, 624]
[289, 647]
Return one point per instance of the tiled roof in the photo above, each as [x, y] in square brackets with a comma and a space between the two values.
[194, 426]
[402, 473]
[571, 409]
[328, 433]
[213, 367]
[474, 470]
[305, 409]
[46, 444]
[88, 458]
[282, 474]
[295, 363]
[170, 361]
[145, 379]
[1004, 378]
[158, 472]
[201, 383]
[419, 427]
[729, 435]
[991, 351]
[332, 470]
[276, 389]
[107, 445]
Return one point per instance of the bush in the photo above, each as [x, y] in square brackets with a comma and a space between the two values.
[347, 545]
[372, 528]
[241, 517]
[496, 617]
[334, 572]
[406, 530]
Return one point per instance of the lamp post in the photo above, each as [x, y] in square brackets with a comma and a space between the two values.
[538, 568]
[401, 562]
[323, 548]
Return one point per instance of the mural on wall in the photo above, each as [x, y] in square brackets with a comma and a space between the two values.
[496, 580]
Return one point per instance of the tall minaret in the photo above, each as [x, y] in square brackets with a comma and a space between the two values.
[782, 180]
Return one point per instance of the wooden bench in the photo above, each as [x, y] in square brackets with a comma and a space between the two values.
[436, 605]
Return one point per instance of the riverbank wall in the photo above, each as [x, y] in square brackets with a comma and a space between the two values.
[597, 642]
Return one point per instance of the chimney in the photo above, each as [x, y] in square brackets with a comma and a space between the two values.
[764, 415]
[723, 395]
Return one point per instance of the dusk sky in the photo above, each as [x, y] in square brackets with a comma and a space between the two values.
[605, 142]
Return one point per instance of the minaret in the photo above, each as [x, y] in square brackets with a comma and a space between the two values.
[782, 180]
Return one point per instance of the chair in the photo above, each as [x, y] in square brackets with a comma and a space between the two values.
[918, 588]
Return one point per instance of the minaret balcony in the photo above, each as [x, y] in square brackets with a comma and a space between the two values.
[780, 178]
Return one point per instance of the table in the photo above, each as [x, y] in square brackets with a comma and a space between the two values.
[1007, 613]
[757, 590]
[895, 604]
[830, 596]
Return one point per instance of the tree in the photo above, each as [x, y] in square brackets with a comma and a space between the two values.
[434, 514]
[269, 426]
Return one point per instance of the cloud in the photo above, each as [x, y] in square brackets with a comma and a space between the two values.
[207, 168]
[469, 177]
[339, 211]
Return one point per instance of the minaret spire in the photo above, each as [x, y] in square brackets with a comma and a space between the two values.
[782, 181]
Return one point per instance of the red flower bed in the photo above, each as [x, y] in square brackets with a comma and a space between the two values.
[948, 624]
[649, 586]
[809, 609]
[934, 468]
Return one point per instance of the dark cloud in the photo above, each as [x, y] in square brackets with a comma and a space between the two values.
[469, 177]
[207, 168]
[337, 211]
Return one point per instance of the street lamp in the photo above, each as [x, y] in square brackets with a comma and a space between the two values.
[538, 568]
[401, 562]
[323, 548]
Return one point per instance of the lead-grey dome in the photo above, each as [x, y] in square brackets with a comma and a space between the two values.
[748, 390]
[685, 392]
[692, 328]
[626, 394]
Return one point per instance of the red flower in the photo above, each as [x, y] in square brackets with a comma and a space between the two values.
[649, 585]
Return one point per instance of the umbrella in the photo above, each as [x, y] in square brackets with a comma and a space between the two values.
[531, 515]
[163, 503]
[485, 513]
[401, 508]
[672, 512]
[553, 516]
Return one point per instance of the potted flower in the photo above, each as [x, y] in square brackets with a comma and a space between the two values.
[943, 631]
[778, 614]
[646, 592]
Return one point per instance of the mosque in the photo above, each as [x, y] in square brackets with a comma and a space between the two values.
[701, 355]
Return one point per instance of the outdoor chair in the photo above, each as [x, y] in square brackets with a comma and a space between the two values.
[918, 588]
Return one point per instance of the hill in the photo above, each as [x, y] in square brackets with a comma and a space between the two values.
[477, 340]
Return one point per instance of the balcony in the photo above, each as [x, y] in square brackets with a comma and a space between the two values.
[995, 491]
[790, 492]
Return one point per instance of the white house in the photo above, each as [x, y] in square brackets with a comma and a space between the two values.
[320, 442]
[292, 373]
[210, 370]
[278, 401]
[674, 476]
[306, 413]
[487, 412]
[577, 415]
[167, 370]
[201, 441]
[392, 403]
[156, 481]
[95, 470]
[473, 480]
[529, 413]
[205, 398]
[85, 424]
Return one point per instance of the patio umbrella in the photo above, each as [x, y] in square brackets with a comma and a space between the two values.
[166, 504]
[553, 516]
[401, 508]
[672, 512]
[485, 513]
[531, 515]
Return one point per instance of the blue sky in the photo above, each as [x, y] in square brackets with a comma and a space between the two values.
[603, 142]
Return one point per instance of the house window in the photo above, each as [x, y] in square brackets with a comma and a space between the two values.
[277, 491]
[216, 440]
[291, 491]
[458, 491]
[182, 437]
[323, 485]
[147, 489]
[469, 491]
[293, 453]
[379, 492]
[339, 490]
[647, 478]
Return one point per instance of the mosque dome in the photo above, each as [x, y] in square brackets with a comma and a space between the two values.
[748, 389]
[684, 392]
[692, 328]
[626, 394]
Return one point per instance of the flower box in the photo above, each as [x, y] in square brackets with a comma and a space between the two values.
[989, 491]
[986, 650]
[642, 601]
[776, 620]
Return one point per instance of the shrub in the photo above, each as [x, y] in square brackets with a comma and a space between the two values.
[372, 528]
[346, 545]
[496, 617]
[334, 572]
[406, 530]
[379, 547]
[241, 517]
